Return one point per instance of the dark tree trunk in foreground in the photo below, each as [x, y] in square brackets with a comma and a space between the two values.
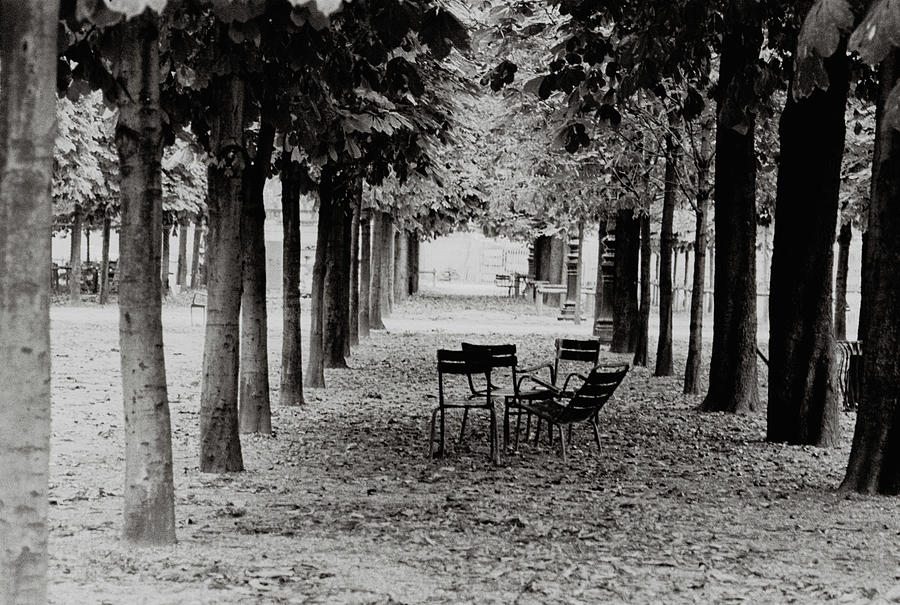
[664, 365]
[840, 282]
[255, 415]
[334, 189]
[195, 253]
[874, 465]
[315, 365]
[104, 262]
[346, 264]
[365, 272]
[149, 493]
[803, 405]
[354, 276]
[376, 297]
[181, 276]
[27, 83]
[220, 445]
[412, 264]
[643, 331]
[75, 257]
[732, 374]
[625, 306]
[291, 391]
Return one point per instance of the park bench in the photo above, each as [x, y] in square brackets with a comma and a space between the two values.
[502, 280]
[546, 288]
[198, 301]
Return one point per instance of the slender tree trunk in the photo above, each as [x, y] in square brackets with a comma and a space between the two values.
[354, 274]
[376, 296]
[413, 263]
[195, 252]
[643, 333]
[365, 272]
[686, 281]
[401, 266]
[181, 276]
[664, 365]
[840, 283]
[346, 264]
[291, 352]
[149, 492]
[315, 368]
[165, 260]
[255, 415]
[387, 258]
[625, 305]
[104, 262]
[75, 257]
[27, 82]
[732, 380]
[220, 444]
[874, 465]
[803, 404]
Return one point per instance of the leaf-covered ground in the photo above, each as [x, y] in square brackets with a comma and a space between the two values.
[342, 504]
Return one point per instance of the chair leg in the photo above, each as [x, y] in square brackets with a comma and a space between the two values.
[519, 429]
[537, 431]
[462, 428]
[505, 424]
[596, 431]
[431, 433]
[495, 438]
[441, 447]
[562, 441]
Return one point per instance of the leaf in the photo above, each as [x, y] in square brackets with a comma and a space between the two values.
[132, 8]
[878, 32]
[819, 38]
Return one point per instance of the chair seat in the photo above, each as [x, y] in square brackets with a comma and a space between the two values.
[548, 409]
[537, 394]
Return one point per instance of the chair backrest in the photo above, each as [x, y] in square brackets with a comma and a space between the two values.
[593, 394]
[569, 349]
[499, 356]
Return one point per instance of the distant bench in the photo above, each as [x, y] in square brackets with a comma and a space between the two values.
[198, 302]
[541, 288]
[502, 280]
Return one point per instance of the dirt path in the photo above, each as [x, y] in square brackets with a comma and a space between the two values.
[343, 506]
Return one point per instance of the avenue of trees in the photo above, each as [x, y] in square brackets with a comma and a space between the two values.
[367, 105]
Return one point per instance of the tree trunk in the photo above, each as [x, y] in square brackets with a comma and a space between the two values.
[255, 415]
[27, 83]
[220, 444]
[75, 257]
[387, 258]
[291, 351]
[732, 380]
[354, 275]
[643, 332]
[874, 465]
[333, 195]
[695, 340]
[195, 253]
[181, 275]
[413, 263]
[149, 492]
[664, 365]
[365, 272]
[803, 405]
[104, 262]
[165, 261]
[625, 306]
[315, 365]
[376, 296]
[687, 277]
[346, 265]
[840, 283]
[401, 266]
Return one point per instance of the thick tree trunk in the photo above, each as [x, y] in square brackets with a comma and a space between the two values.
[664, 366]
[149, 493]
[165, 261]
[195, 253]
[315, 365]
[181, 275]
[413, 263]
[220, 444]
[874, 465]
[104, 262]
[346, 265]
[732, 380]
[840, 283]
[291, 390]
[803, 404]
[255, 415]
[27, 83]
[354, 275]
[75, 257]
[334, 194]
[376, 296]
[625, 305]
[365, 272]
[643, 332]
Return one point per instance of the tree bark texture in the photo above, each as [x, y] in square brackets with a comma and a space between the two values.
[732, 375]
[220, 445]
[643, 333]
[346, 264]
[625, 305]
[104, 262]
[165, 260]
[181, 275]
[149, 493]
[354, 274]
[291, 391]
[365, 272]
[75, 256]
[376, 297]
[401, 266]
[315, 368]
[413, 263]
[874, 465]
[803, 404]
[334, 193]
[255, 414]
[28, 55]
[195, 252]
[387, 258]
[845, 236]
[664, 365]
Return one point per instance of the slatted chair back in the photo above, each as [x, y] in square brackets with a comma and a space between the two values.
[496, 356]
[592, 395]
[569, 349]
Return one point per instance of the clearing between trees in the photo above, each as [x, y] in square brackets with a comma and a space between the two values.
[342, 505]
